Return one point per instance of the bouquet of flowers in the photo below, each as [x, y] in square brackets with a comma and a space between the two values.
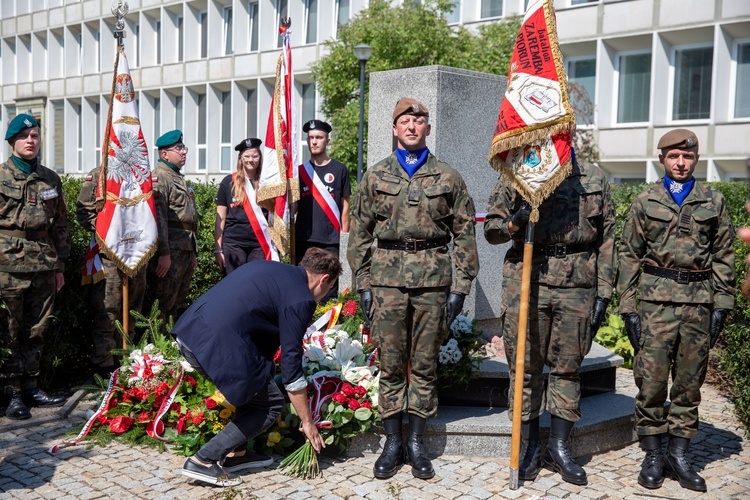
[459, 356]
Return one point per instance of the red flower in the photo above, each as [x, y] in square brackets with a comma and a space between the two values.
[112, 403]
[353, 404]
[144, 417]
[190, 380]
[360, 391]
[121, 424]
[339, 398]
[161, 389]
[176, 407]
[366, 404]
[158, 400]
[181, 424]
[349, 309]
[102, 419]
[198, 418]
[210, 403]
[347, 389]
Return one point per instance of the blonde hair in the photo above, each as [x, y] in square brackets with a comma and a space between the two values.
[238, 178]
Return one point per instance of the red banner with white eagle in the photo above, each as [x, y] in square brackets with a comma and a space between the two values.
[531, 147]
[278, 187]
[126, 223]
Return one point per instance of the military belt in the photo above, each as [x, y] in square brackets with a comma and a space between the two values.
[412, 245]
[680, 275]
[559, 250]
[25, 235]
[180, 225]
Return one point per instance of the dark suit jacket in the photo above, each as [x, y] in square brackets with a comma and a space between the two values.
[236, 327]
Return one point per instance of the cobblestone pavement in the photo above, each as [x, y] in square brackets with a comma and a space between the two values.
[118, 471]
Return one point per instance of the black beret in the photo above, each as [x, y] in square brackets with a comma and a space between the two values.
[249, 143]
[316, 125]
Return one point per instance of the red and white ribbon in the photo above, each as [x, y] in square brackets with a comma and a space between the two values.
[258, 222]
[321, 194]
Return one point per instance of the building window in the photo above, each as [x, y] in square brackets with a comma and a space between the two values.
[343, 12]
[227, 15]
[202, 117]
[157, 122]
[582, 73]
[453, 15]
[308, 102]
[742, 99]
[97, 133]
[252, 14]
[252, 113]
[311, 25]
[203, 21]
[692, 83]
[491, 8]
[97, 50]
[282, 11]
[226, 131]
[79, 139]
[180, 38]
[157, 31]
[178, 112]
[581, 2]
[634, 88]
[137, 33]
[58, 136]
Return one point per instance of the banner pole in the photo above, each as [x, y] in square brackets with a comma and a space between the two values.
[523, 316]
[125, 312]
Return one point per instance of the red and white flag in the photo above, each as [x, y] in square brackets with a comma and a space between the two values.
[258, 221]
[279, 186]
[531, 147]
[126, 224]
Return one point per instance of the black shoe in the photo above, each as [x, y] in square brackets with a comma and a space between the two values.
[559, 457]
[421, 467]
[393, 452]
[678, 467]
[531, 451]
[652, 468]
[213, 474]
[37, 397]
[249, 460]
[16, 409]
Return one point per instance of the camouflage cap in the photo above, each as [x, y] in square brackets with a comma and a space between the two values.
[680, 138]
[317, 125]
[19, 123]
[249, 143]
[169, 139]
[409, 106]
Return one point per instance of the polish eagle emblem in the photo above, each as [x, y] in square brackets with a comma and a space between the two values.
[129, 166]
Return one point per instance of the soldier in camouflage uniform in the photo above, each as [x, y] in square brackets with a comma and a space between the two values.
[413, 204]
[106, 294]
[173, 266]
[34, 245]
[677, 260]
[572, 278]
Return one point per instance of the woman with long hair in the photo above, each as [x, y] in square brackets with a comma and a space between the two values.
[241, 229]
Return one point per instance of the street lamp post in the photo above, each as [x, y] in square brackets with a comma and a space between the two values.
[363, 53]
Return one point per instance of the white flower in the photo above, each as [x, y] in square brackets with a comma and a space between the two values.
[461, 326]
[456, 356]
[341, 335]
[330, 342]
[149, 348]
[345, 351]
[374, 400]
[452, 344]
[314, 353]
[186, 366]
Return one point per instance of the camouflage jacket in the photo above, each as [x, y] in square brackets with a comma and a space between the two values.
[32, 203]
[579, 212]
[176, 216]
[434, 203]
[652, 235]
[86, 203]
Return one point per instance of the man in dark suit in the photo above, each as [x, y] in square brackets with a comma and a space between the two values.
[230, 335]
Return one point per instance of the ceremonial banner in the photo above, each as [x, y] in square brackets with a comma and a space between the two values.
[278, 186]
[531, 147]
[93, 269]
[126, 224]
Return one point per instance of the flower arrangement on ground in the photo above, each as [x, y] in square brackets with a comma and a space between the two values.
[460, 355]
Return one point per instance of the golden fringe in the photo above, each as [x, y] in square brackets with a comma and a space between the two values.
[520, 137]
[95, 278]
[279, 233]
[131, 273]
[268, 192]
[128, 202]
[129, 120]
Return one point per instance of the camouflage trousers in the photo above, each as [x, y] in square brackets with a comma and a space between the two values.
[172, 289]
[106, 301]
[27, 300]
[559, 335]
[674, 338]
[408, 328]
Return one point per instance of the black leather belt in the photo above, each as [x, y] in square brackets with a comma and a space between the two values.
[25, 235]
[412, 245]
[559, 250]
[682, 276]
[180, 225]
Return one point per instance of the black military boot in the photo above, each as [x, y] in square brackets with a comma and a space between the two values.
[652, 469]
[37, 397]
[530, 450]
[393, 450]
[421, 467]
[16, 409]
[678, 467]
[558, 457]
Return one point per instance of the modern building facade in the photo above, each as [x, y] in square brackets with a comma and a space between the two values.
[208, 68]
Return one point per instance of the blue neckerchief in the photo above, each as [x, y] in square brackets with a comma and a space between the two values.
[410, 161]
[678, 190]
[25, 166]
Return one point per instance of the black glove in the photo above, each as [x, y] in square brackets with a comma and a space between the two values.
[633, 327]
[453, 307]
[597, 314]
[365, 303]
[718, 317]
[521, 217]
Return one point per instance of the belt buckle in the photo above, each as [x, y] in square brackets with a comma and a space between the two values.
[683, 276]
[410, 240]
[561, 250]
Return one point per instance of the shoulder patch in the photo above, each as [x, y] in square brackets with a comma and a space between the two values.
[89, 177]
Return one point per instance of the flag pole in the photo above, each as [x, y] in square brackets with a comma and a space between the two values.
[523, 316]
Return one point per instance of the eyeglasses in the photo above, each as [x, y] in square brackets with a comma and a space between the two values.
[179, 148]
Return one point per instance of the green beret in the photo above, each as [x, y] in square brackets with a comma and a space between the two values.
[169, 139]
[680, 138]
[409, 106]
[19, 123]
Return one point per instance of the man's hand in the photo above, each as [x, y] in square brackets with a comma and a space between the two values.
[597, 314]
[521, 217]
[453, 307]
[633, 327]
[299, 401]
[718, 317]
[365, 303]
[163, 265]
[312, 434]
